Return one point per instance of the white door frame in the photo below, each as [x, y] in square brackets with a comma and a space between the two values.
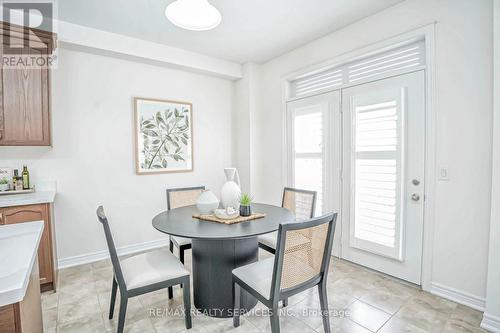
[427, 33]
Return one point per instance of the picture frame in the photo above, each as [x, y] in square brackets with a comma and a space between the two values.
[163, 136]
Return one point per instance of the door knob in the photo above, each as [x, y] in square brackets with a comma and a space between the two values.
[415, 197]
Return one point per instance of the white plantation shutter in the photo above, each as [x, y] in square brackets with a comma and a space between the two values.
[377, 157]
[390, 61]
[318, 82]
[373, 67]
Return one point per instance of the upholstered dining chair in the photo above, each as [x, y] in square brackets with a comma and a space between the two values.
[301, 262]
[181, 197]
[143, 273]
[300, 202]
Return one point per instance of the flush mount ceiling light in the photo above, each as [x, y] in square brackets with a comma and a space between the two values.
[195, 15]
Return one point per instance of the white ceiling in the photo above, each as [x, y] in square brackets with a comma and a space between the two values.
[251, 30]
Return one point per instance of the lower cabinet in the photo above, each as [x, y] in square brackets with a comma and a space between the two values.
[24, 316]
[46, 251]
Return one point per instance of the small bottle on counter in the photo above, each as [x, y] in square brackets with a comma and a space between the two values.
[14, 179]
[26, 178]
[17, 181]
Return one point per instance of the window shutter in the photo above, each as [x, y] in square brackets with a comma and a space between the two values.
[373, 67]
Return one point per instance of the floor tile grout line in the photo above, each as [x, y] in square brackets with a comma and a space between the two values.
[446, 319]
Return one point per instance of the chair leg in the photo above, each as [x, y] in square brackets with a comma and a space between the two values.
[113, 299]
[181, 255]
[323, 299]
[171, 289]
[187, 303]
[275, 319]
[237, 297]
[123, 311]
[285, 302]
[170, 293]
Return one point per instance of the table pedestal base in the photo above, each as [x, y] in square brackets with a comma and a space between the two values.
[213, 262]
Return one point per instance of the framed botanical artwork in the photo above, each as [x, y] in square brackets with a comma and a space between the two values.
[164, 136]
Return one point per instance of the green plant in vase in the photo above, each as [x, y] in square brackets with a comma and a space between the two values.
[245, 204]
[4, 184]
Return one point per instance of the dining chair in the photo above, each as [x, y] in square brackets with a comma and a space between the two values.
[181, 197]
[143, 273]
[300, 202]
[301, 262]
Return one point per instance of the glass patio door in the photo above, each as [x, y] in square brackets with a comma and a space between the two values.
[314, 142]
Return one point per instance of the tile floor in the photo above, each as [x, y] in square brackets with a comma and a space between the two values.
[361, 301]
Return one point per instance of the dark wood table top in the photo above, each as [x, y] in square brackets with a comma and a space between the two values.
[180, 222]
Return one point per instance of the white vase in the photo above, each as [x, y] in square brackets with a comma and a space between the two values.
[231, 192]
[207, 202]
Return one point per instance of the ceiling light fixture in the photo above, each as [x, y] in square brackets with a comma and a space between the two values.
[195, 15]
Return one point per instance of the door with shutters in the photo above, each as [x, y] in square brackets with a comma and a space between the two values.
[383, 175]
[314, 151]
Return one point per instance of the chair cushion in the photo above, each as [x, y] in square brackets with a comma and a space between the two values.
[180, 241]
[269, 239]
[151, 267]
[257, 275]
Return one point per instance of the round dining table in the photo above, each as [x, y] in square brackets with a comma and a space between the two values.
[217, 249]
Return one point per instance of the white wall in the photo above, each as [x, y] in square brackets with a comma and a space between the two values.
[244, 126]
[92, 158]
[463, 107]
[492, 313]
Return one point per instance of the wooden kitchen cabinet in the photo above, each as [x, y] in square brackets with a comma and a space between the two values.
[25, 93]
[46, 251]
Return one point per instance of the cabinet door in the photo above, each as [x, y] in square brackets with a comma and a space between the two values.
[31, 213]
[24, 107]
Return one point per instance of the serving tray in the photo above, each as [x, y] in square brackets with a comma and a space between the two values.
[31, 190]
[237, 219]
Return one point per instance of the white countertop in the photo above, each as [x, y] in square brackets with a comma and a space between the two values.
[18, 250]
[37, 197]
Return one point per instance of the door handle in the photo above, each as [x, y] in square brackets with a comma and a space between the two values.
[415, 197]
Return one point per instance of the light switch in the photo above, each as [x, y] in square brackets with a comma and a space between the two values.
[443, 173]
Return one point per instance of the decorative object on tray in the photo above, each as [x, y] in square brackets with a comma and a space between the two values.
[6, 172]
[238, 219]
[164, 136]
[245, 204]
[26, 178]
[226, 214]
[230, 193]
[207, 202]
[4, 184]
[17, 181]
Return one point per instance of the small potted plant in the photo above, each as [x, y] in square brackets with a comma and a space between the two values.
[245, 205]
[4, 184]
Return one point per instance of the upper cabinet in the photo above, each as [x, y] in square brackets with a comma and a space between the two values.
[25, 91]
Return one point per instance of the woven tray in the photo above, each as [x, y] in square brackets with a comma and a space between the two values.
[238, 219]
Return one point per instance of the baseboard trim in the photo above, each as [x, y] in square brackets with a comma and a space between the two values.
[458, 296]
[491, 323]
[104, 254]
